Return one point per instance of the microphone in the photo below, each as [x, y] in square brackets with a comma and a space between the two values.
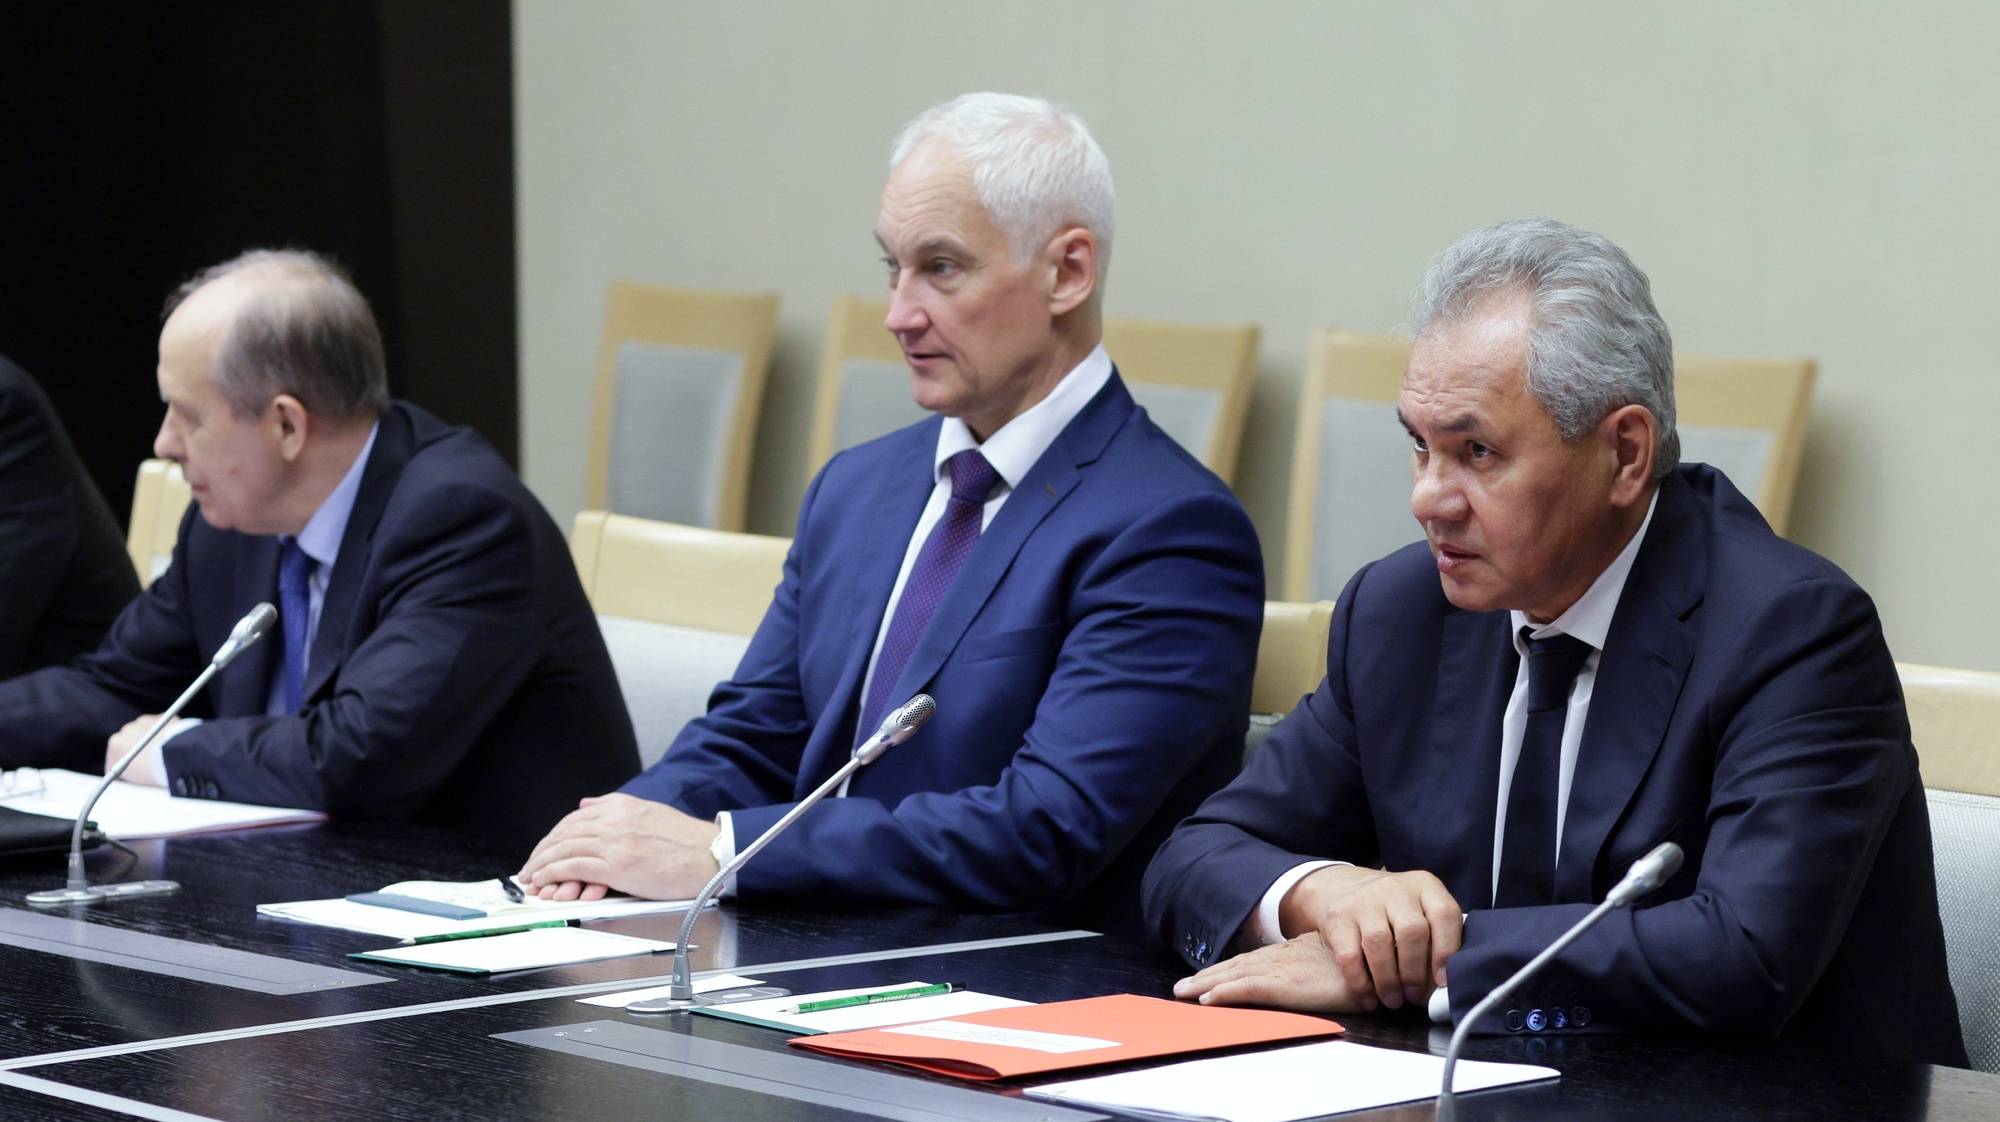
[79, 890]
[901, 724]
[1647, 873]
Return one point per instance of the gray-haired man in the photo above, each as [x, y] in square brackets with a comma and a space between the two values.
[1594, 652]
[435, 657]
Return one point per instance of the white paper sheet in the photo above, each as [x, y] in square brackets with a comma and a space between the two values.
[1284, 1084]
[770, 1009]
[136, 811]
[398, 924]
[701, 985]
[523, 950]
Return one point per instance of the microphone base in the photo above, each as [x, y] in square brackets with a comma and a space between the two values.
[97, 893]
[717, 997]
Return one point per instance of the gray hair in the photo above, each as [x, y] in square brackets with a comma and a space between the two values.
[1035, 165]
[305, 330]
[1597, 344]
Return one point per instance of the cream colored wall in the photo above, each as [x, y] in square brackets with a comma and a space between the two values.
[1797, 178]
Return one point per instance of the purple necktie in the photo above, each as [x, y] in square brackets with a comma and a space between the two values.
[938, 563]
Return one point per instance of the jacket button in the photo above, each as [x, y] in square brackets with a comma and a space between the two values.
[1558, 1019]
[1514, 1020]
[1537, 1020]
[1579, 1016]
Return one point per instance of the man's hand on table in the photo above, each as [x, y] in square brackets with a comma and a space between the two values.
[620, 842]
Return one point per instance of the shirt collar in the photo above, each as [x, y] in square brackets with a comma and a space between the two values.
[1020, 442]
[1589, 619]
[320, 540]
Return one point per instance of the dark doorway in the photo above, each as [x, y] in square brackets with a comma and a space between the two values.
[140, 142]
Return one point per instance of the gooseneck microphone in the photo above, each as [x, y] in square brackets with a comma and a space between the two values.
[79, 890]
[898, 726]
[1647, 874]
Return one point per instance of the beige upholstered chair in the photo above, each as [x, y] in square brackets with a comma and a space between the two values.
[1955, 723]
[680, 377]
[1291, 662]
[159, 498]
[1351, 466]
[677, 605]
[864, 386]
[1194, 381]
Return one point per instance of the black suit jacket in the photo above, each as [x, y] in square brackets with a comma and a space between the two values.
[1746, 707]
[457, 676]
[64, 573]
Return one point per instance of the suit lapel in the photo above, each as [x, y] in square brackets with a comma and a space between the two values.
[1476, 670]
[394, 444]
[872, 557]
[241, 689]
[1044, 488]
[1639, 679]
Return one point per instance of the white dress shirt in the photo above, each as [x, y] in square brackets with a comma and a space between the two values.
[1589, 619]
[1011, 451]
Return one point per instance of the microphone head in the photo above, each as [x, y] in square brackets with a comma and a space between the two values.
[1648, 873]
[247, 631]
[912, 716]
[901, 724]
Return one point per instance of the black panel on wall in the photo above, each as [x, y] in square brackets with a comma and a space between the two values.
[140, 142]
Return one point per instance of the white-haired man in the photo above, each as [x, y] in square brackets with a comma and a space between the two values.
[1595, 651]
[1082, 597]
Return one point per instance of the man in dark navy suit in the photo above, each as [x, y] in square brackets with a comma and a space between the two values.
[435, 657]
[64, 573]
[1082, 598]
[1595, 651]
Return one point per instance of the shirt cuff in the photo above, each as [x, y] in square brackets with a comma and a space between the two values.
[723, 849]
[1440, 1009]
[1263, 929]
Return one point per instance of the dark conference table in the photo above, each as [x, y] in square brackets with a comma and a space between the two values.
[82, 1039]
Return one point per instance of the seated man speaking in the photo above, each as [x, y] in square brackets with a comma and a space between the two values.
[1596, 651]
[1080, 596]
[435, 658]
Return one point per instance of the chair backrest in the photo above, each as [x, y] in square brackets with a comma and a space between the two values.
[1350, 500]
[1291, 662]
[1350, 467]
[1194, 381]
[864, 385]
[159, 498]
[680, 377]
[677, 605]
[1955, 724]
[1747, 417]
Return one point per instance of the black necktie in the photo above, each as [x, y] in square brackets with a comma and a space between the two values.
[1528, 848]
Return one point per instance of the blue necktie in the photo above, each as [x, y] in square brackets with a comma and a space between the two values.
[1528, 848]
[938, 563]
[295, 615]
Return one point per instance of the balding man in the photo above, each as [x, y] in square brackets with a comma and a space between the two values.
[435, 657]
[1596, 650]
[1079, 594]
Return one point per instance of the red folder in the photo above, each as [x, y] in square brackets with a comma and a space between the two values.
[1065, 1035]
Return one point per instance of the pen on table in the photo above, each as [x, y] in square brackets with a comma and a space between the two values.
[512, 890]
[871, 998]
[485, 931]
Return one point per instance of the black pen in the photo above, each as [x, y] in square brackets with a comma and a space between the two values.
[512, 890]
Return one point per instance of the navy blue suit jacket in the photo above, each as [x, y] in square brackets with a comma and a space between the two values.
[457, 675]
[1091, 665]
[1746, 707]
